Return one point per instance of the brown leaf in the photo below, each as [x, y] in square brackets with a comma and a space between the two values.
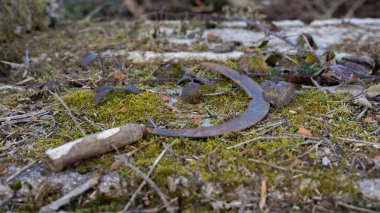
[165, 98]
[25, 81]
[226, 47]
[253, 64]
[212, 38]
[123, 110]
[304, 132]
[305, 40]
[33, 118]
[363, 60]
[373, 91]
[358, 67]
[334, 74]
[116, 164]
[197, 120]
[279, 93]
[118, 76]
[368, 119]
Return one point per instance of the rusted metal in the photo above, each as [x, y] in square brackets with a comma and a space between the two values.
[107, 140]
[256, 111]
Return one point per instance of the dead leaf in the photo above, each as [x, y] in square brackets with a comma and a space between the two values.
[368, 120]
[305, 132]
[253, 64]
[358, 67]
[197, 120]
[104, 90]
[212, 38]
[373, 91]
[166, 98]
[363, 59]
[363, 101]
[118, 76]
[101, 92]
[88, 59]
[306, 41]
[116, 164]
[334, 74]
[26, 80]
[123, 110]
[226, 47]
[279, 93]
[33, 118]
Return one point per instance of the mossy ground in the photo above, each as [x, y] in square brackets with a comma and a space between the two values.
[203, 172]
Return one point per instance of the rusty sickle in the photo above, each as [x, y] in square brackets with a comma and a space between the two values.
[256, 111]
[108, 140]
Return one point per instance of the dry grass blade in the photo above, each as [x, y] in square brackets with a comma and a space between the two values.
[263, 194]
[146, 178]
[355, 208]
[278, 167]
[21, 170]
[259, 138]
[349, 140]
[68, 111]
[55, 205]
[26, 115]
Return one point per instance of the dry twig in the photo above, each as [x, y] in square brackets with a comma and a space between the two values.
[282, 168]
[55, 205]
[68, 111]
[126, 162]
[21, 170]
[259, 138]
[26, 115]
[263, 194]
[355, 208]
[349, 140]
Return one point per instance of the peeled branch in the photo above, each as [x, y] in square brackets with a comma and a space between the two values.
[93, 145]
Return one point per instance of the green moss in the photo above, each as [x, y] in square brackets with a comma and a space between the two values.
[16, 185]
[205, 170]
[81, 169]
[20, 15]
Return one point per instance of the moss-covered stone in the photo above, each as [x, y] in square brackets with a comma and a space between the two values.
[20, 16]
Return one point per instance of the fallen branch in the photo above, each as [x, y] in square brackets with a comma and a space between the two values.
[93, 145]
[149, 174]
[355, 208]
[125, 161]
[349, 140]
[11, 87]
[21, 170]
[26, 115]
[55, 205]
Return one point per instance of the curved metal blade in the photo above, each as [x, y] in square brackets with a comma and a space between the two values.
[256, 111]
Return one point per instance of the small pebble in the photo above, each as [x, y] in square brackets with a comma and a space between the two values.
[326, 161]
[191, 93]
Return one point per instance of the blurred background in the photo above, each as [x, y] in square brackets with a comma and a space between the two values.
[270, 9]
[18, 17]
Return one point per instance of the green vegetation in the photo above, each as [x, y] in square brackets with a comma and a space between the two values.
[203, 171]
